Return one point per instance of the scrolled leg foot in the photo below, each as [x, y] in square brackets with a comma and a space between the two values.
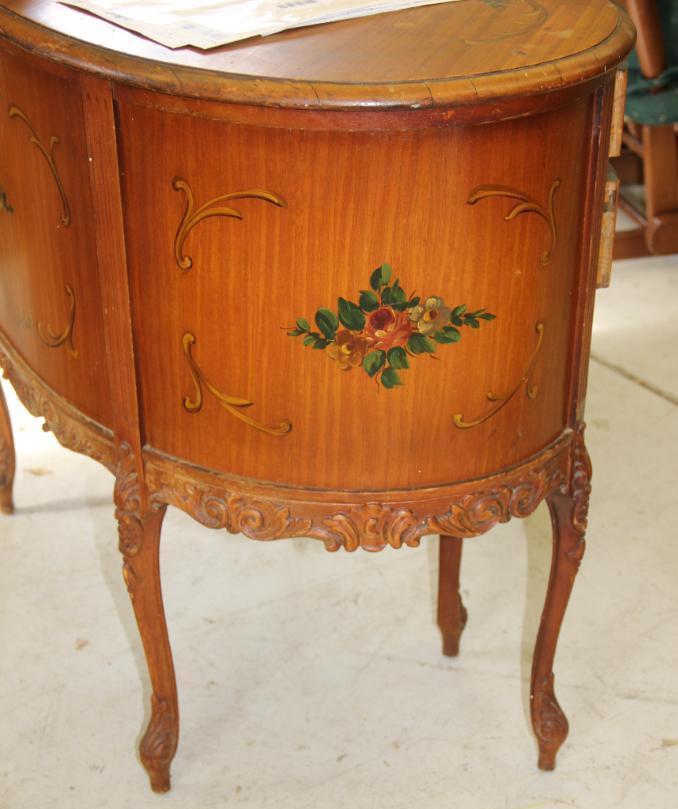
[7, 459]
[569, 511]
[159, 744]
[452, 614]
[550, 723]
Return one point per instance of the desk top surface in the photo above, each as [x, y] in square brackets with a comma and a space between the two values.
[429, 56]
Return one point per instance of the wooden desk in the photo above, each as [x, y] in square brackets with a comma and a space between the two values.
[337, 283]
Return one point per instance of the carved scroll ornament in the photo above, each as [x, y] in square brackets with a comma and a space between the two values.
[48, 154]
[212, 207]
[232, 404]
[580, 491]
[526, 205]
[159, 743]
[218, 501]
[127, 498]
[549, 722]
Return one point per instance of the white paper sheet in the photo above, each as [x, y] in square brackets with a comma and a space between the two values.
[177, 23]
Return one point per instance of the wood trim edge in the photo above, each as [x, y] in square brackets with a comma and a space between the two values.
[368, 520]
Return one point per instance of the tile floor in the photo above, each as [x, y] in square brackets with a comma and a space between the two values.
[315, 680]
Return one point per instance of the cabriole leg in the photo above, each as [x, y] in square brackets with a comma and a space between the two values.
[7, 458]
[140, 547]
[451, 611]
[569, 511]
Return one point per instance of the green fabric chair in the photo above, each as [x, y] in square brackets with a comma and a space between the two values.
[648, 164]
[655, 101]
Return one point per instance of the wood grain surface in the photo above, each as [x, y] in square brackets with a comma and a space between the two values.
[404, 200]
[434, 55]
[43, 252]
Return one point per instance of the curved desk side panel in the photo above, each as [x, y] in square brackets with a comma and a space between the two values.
[50, 305]
[260, 232]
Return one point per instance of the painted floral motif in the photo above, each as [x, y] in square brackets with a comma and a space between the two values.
[386, 328]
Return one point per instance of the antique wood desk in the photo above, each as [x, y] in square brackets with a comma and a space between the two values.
[337, 283]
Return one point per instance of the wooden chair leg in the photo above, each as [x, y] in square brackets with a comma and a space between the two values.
[451, 611]
[140, 546]
[7, 458]
[569, 512]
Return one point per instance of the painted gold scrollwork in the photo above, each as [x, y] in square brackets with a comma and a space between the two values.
[48, 154]
[212, 207]
[526, 205]
[232, 404]
[53, 339]
[502, 400]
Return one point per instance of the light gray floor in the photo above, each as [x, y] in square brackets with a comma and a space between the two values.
[310, 680]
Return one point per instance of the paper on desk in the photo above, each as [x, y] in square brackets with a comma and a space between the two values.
[177, 23]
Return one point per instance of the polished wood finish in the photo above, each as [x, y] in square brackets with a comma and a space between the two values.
[475, 50]
[49, 285]
[452, 613]
[139, 534]
[170, 256]
[358, 231]
[569, 515]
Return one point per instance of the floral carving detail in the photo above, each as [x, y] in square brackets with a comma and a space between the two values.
[218, 501]
[386, 328]
[580, 491]
[215, 508]
[581, 480]
[71, 429]
[371, 526]
[127, 497]
[159, 743]
[474, 514]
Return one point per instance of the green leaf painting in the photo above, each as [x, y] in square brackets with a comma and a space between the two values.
[386, 328]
